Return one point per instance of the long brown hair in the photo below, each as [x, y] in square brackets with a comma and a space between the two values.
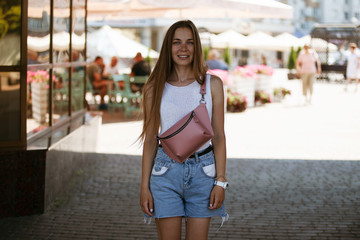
[154, 86]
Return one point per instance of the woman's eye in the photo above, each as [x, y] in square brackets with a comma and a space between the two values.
[176, 43]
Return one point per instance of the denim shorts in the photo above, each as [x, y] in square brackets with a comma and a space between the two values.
[183, 189]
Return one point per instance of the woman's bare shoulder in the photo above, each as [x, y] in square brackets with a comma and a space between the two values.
[216, 83]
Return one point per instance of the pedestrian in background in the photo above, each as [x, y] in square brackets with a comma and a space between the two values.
[353, 66]
[171, 191]
[307, 65]
[214, 61]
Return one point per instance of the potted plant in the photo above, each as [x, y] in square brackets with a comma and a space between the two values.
[39, 84]
[291, 65]
[280, 93]
[261, 97]
[242, 81]
[235, 102]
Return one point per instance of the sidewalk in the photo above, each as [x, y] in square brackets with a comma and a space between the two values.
[294, 173]
[327, 129]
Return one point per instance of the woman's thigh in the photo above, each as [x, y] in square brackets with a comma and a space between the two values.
[169, 228]
[197, 228]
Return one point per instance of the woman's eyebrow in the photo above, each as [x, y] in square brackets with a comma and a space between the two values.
[189, 39]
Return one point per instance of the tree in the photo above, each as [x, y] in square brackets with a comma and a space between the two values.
[227, 57]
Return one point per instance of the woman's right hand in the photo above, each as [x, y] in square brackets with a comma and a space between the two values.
[146, 201]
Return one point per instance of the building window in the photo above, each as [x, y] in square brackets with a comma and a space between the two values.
[66, 82]
[10, 106]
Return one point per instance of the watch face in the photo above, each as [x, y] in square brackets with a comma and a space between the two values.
[224, 185]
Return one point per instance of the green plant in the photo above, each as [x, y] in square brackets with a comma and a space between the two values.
[293, 57]
[148, 58]
[227, 57]
[206, 51]
[291, 60]
[10, 17]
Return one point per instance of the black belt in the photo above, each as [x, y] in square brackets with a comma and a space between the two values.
[205, 151]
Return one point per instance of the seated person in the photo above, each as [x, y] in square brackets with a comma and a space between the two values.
[94, 71]
[140, 68]
[112, 69]
[214, 61]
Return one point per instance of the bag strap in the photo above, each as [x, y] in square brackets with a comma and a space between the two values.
[203, 89]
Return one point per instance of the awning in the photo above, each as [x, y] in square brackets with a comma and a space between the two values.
[190, 9]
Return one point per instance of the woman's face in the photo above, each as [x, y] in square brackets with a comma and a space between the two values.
[182, 48]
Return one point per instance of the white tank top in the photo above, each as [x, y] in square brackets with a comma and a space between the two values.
[176, 102]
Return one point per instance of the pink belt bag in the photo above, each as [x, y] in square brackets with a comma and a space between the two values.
[187, 135]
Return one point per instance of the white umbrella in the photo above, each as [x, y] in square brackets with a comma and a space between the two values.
[230, 38]
[287, 40]
[60, 42]
[262, 41]
[38, 44]
[207, 38]
[107, 42]
[318, 44]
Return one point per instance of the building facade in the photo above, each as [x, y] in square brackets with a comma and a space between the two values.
[42, 100]
[307, 13]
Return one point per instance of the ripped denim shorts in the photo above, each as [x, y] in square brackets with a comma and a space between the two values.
[183, 189]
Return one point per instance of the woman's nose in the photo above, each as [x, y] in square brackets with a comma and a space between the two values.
[183, 46]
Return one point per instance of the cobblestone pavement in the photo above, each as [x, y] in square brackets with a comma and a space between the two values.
[268, 199]
[294, 185]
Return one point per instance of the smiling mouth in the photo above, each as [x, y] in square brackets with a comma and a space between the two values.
[183, 56]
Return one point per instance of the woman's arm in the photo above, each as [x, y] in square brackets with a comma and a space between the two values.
[219, 143]
[149, 152]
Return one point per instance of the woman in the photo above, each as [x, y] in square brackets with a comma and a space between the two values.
[353, 66]
[307, 65]
[172, 190]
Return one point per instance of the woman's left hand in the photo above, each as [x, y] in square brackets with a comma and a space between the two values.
[217, 197]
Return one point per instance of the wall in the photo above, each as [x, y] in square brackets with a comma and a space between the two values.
[68, 156]
[30, 180]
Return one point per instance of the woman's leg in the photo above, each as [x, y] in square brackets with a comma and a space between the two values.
[169, 228]
[312, 78]
[197, 228]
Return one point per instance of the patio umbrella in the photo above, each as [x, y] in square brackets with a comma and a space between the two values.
[318, 44]
[231, 39]
[191, 9]
[60, 42]
[107, 42]
[262, 41]
[287, 40]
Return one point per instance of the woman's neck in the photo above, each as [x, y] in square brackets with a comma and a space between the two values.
[182, 75]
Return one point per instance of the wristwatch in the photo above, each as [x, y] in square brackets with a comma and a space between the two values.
[224, 185]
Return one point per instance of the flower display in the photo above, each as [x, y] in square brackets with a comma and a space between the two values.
[261, 69]
[262, 97]
[222, 74]
[38, 76]
[245, 72]
[235, 102]
[281, 92]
